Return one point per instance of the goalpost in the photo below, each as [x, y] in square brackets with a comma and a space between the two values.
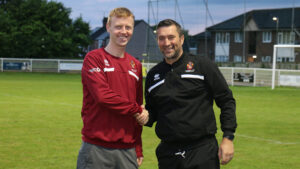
[284, 53]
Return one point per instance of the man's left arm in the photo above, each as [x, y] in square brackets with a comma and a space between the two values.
[225, 101]
[226, 150]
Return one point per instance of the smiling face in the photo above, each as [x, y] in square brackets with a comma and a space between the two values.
[170, 43]
[120, 30]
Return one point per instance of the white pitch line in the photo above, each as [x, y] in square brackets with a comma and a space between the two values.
[268, 140]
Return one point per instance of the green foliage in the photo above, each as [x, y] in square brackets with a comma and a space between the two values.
[41, 29]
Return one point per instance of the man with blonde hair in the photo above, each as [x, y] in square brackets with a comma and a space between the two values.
[112, 108]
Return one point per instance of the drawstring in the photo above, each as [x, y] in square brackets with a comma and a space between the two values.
[180, 153]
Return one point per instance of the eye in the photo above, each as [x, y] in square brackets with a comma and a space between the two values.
[128, 27]
[161, 38]
[118, 27]
[171, 37]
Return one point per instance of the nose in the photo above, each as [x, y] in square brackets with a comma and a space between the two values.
[123, 30]
[166, 42]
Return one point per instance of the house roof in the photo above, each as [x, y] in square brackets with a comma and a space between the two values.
[263, 18]
[202, 35]
[97, 32]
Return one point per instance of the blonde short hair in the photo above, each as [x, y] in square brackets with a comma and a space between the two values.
[120, 12]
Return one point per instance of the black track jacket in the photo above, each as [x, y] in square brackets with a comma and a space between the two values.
[179, 97]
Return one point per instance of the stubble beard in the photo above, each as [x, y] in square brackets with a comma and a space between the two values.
[173, 57]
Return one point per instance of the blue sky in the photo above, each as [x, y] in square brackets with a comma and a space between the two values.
[192, 12]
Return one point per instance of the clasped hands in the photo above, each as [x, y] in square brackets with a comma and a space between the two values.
[142, 118]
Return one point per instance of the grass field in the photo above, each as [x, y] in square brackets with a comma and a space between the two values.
[40, 125]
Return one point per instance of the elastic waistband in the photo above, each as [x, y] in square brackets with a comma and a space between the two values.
[115, 145]
[189, 144]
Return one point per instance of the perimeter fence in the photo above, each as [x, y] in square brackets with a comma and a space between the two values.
[235, 76]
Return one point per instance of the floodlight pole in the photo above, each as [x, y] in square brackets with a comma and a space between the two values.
[276, 19]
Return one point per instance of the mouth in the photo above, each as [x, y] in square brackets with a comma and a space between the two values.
[169, 49]
[123, 38]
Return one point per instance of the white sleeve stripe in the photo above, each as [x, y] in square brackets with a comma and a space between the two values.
[192, 76]
[134, 75]
[109, 69]
[155, 85]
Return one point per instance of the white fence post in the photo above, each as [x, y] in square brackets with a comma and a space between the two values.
[31, 65]
[232, 76]
[2, 64]
[254, 77]
[58, 66]
[278, 83]
[274, 67]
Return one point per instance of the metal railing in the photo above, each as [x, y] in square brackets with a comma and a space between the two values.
[235, 76]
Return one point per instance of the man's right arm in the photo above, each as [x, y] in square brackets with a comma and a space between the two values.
[94, 79]
[149, 103]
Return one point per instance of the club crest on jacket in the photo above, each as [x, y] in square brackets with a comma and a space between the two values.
[132, 64]
[190, 67]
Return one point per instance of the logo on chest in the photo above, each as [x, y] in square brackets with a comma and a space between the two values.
[106, 62]
[133, 66]
[190, 67]
[156, 77]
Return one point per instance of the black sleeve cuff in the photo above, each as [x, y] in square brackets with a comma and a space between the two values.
[229, 135]
[150, 121]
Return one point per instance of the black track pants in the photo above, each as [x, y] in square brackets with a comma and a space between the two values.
[202, 155]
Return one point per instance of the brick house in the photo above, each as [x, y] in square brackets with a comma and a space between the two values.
[263, 29]
[200, 44]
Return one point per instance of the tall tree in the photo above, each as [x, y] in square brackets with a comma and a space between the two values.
[40, 29]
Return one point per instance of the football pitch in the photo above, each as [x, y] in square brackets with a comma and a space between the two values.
[40, 124]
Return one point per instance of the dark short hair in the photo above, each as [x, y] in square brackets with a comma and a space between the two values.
[170, 22]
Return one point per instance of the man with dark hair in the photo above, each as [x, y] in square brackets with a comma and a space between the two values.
[180, 92]
[112, 98]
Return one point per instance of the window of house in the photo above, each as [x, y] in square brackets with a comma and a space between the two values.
[218, 37]
[266, 37]
[286, 38]
[238, 37]
[227, 39]
[100, 41]
[292, 59]
[279, 59]
[280, 38]
[222, 37]
[193, 50]
[266, 58]
[221, 58]
[286, 59]
[237, 58]
[292, 37]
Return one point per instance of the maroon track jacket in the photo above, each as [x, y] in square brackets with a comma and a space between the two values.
[112, 94]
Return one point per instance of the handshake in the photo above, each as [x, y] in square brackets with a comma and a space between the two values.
[142, 118]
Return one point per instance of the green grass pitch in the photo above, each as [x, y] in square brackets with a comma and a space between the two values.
[40, 124]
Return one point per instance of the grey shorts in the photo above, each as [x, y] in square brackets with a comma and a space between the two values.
[96, 157]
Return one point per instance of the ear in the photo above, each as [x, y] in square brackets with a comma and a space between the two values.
[182, 39]
[107, 27]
